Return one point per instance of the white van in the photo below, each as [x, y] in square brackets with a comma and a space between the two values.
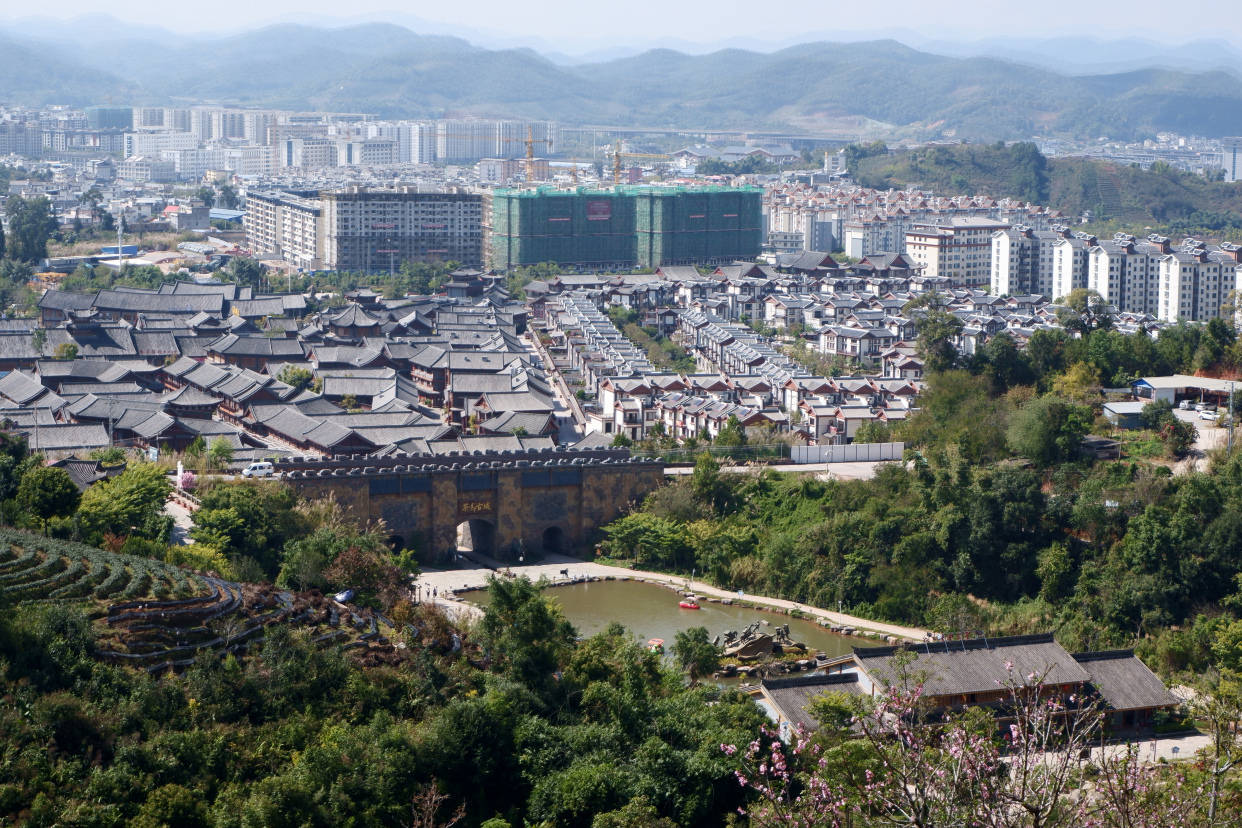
[259, 468]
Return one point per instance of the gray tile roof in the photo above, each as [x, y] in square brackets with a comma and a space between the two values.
[21, 388]
[66, 437]
[132, 302]
[975, 665]
[792, 697]
[1124, 682]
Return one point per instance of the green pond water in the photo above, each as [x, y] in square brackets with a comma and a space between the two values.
[651, 611]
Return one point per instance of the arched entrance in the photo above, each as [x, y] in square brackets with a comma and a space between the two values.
[554, 540]
[476, 535]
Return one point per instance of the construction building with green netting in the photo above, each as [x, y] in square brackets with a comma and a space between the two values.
[624, 227]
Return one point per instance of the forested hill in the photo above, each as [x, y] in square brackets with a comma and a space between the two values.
[848, 87]
[1127, 197]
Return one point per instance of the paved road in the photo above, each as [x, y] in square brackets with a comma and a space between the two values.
[446, 582]
[1210, 437]
[1153, 750]
[568, 412]
[182, 522]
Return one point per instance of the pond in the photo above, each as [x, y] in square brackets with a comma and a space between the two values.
[651, 611]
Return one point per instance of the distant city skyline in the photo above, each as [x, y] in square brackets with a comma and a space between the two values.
[574, 28]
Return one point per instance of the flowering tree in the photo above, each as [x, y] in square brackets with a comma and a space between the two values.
[913, 768]
[1127, 793]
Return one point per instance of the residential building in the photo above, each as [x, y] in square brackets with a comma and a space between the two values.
[365, 229]
[624, 227]
[1070, 263]
[1194, 285]
[958, 248]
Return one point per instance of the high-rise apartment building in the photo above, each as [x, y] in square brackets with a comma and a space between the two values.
[110, 117]
[366, 229]
[1022, 260]
[1069, 264]
[958, 248]
[154, 143]
[1194, 283]
[1125, 272]
[624, 227]
[287, 225]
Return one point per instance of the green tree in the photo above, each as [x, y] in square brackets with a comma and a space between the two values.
[196, 448]
[1048, 430]
[130, 504]
[695, 653]
[731, 434]
[206, 195]
[524, 633]
[1156, 413]
[13, 453]
[1085, 311]
[172, 806]
[31, 224]
[1178, 436]
[48, 492]
[228, 197]
[936, 330]
[245, 271]
[220, 454]
[249, 518]
[296, 376]
[67, 351]
[649, 540]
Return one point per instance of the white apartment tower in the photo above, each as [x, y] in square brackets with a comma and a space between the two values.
[1022, 260]
[1195, 284]
[1069, 264]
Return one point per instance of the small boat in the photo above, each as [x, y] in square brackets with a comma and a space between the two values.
[689, 602]
[655, 645]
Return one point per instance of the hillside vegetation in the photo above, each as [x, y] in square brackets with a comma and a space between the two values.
[1124, 197]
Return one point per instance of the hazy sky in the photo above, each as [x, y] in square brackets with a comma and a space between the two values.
[596, 22]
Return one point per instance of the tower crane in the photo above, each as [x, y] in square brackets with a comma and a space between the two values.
[617, 155]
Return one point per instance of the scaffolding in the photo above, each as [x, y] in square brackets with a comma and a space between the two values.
[624, 227]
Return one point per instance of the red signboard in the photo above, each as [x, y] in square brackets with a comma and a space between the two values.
[600, 210]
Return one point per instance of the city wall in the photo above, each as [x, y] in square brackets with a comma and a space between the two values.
[513, 503]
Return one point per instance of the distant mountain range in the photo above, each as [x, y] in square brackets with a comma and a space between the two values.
[879, 87]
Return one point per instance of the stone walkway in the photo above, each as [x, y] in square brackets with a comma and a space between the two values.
[448, 581]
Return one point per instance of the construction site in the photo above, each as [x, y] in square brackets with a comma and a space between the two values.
[623, 226]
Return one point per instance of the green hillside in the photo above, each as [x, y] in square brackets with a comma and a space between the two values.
[1118, 196]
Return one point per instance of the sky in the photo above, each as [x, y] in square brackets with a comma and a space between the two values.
[577, 26]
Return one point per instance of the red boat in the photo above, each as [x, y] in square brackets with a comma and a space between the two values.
[689, 602]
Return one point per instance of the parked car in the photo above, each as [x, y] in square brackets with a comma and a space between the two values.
[1203, 406]
[1186, 405]
[259, 468]
[1207, 414]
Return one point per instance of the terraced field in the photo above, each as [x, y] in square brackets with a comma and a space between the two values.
[156, 616]
[35, 568]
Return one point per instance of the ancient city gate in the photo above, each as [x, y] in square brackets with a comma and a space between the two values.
[514, 501]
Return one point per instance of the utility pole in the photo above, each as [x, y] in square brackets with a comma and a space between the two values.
[1230, 450]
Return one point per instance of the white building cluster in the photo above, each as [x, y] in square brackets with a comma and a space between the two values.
[1190, 281]
[862, 222]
